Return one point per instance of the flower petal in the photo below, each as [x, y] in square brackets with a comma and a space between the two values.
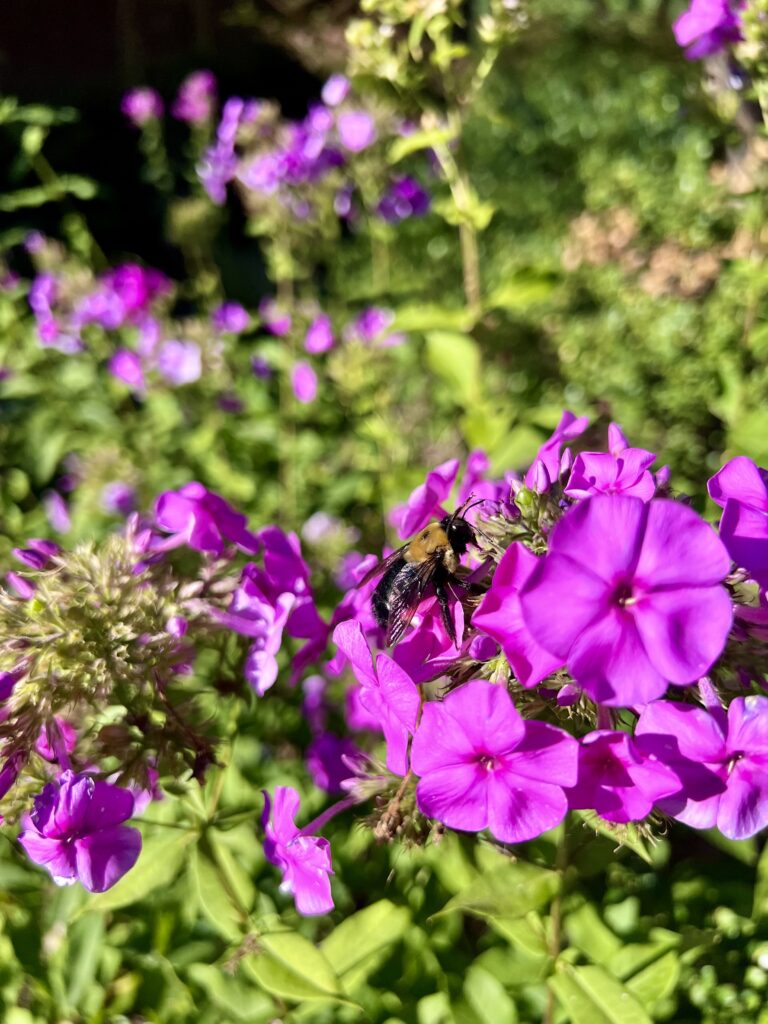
[109, 805]
[545, 754]
[456, 796]
[519, 809]
[609, 661]
[58, 857]
[603, 534]
[104, 857]
[741, 480]
[680, 549]
[743, 808]
[745, 534]
[559, 600]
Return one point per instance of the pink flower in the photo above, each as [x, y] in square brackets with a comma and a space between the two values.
[621, 470]
[545, 468]
[481, 765]
[630, 597]
[126, 366]
[740, 488]
[142, 105]
[357, 130]
[202, 520]
[305, 861]
[196, 97]
[304, 382]
[708, 26]
[319, 336]
[75, 830]
[425, 502]
[500, 615]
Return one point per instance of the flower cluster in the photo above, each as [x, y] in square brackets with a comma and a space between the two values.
[709, 26]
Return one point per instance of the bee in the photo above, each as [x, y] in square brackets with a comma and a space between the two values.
[431, 557]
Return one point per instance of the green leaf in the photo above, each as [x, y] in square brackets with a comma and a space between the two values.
[589, 995]
[621, 835]
[521, 292]
[159, 863]
[760, 905]
[417, 141]
[509, 891]
[234, 875]
[214, 897]
[434, 1009]
[290, 967]
[357, 946]
[85, 942]
[488, 998]
[657, 981]
[238, 1000]
[456, 359]
[590, 936]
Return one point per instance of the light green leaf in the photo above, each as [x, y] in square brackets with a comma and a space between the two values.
[238, 1000]
[521, 292]
[589, 995]
[455, 358]
[235, 876]
[215, 900]
[85, 941]
[159, 863]
[434, 1009]
[509, 891]
[488, 998]
[358, 945]
[657, 981]
[413, 143]
[590, 936]
[289, 966]
[621, 835]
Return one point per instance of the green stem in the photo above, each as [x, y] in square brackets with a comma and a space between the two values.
[556, 919]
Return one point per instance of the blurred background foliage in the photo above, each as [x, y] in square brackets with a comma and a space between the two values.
[601, 247]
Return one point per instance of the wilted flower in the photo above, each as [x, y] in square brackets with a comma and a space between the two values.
[481, 765]
[305, 861]
[76, 831]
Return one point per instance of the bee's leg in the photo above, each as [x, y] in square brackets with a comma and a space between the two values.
[442, 600]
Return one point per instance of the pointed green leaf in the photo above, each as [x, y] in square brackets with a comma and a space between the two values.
[159, 863]
[488, 998]
[509, 891]
[215, 900]
[289, 966]
[238, 1000]
[589, 995]
[358, 945]
[590, 936]
[657, 981]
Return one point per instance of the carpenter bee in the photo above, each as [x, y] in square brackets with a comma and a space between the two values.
[432, 556]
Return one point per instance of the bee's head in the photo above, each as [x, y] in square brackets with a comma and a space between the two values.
[459, 532]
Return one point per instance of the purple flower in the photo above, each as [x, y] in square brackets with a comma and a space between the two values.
[38, 553]
[56, 511]
[740, 488]
[126, 366]
[119, 498]
[621, 470]
[142, 105]
[335, 90]
[722, 760]
[202, 520]
[230, 318]
[388, 693]
[357, 130]
[616, 780]
[261, 368]
[629, 597]
[305, 861]
[481, 765]
[545, 468]
[425, 501]
[57, 740]
[304, 382]
[326, 761]
[179, 362]
[75, 830]
[500, 615]
[708, 26]
[276, 320]
[10, 772]
[404, 198]
[196, 97]
[319, 336]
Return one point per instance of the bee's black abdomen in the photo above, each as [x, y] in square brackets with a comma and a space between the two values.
[380, 596]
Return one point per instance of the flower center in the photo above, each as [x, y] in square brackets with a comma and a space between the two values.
[623, 595]
[488, 762]
[734, 759]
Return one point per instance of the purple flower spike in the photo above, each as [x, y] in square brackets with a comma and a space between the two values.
[142, 105]
[305, 861]
[708, 26]
[319, 336]
[483, 766]
[629, 597]
[202, 520]
[616, 781]
[501, 617]
[722, 761]
[304, 383]
[75, 831]
[196, 97]
[740, 488]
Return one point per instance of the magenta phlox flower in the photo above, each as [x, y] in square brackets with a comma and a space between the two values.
[179, 362]
[56, 740]
[630, 597]
[740, 488]
[304, 382]
[428, 652]
[616, 780]
[721, 757]
[38, 554]
[357, 130]
[57, 511]
[356, 714]
[261, 666]
[202, 520]
[126, 366]
[276, 320]
[371, 328]
[319, 336]
[328, 758]
[196, 98]
[230, 318]
[305, 861]
[75, 830]
[335, 90]
[388, 692]
[481, 765]
[425, 503]
[404, 197]
[500, 615]
[142, 105]
[620, 470]
[10, 771]
[545, 468]
[708, 26]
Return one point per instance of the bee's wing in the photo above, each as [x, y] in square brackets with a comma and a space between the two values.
[404, 598]
[381, 567]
